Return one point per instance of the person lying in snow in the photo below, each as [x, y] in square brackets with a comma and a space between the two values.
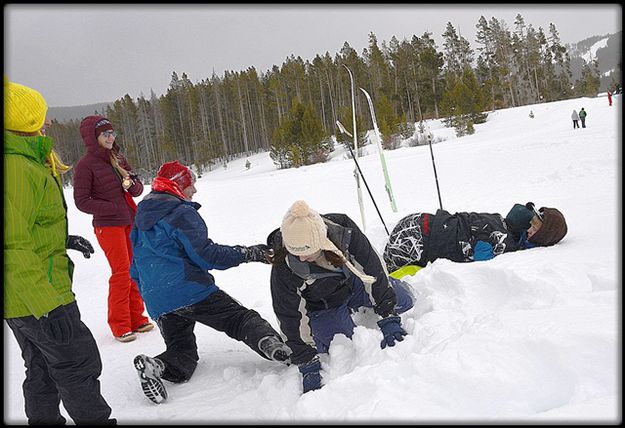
[172, 257]
[324, 268]
[420, 238]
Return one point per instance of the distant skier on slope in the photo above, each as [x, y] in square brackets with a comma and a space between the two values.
[582, 117]
[324, 268]
[172, 257]
[420, 238]
[575, 118]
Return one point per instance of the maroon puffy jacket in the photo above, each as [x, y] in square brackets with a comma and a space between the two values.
[97, 185]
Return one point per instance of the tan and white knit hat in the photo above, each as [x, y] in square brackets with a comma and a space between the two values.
[304, 233]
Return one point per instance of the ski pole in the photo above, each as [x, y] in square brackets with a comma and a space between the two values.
[343, 130]
[434, 166]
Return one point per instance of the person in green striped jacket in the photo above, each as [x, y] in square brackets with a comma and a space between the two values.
[60, 354]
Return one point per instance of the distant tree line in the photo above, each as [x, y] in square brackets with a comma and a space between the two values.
[291, 110]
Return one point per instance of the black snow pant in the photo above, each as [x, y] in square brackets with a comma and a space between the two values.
[61, 372]
[575, 124]
[219, 311]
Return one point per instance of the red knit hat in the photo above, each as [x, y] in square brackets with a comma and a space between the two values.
[178, 173]
[102, 125]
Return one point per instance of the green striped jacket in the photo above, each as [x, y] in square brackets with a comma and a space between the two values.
[37, 270]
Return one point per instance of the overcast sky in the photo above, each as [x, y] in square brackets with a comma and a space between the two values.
[78, 54]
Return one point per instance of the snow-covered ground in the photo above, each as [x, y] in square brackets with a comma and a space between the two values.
[530, 337]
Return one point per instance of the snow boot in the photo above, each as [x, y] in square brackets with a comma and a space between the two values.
[126, 337]
[150, 371]
[144, 328]
[275, 349]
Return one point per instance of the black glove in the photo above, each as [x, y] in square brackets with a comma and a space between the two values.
[78, 243]
[392, 331]
[256, 253]
[57, 326]
[275, 349]
[311, 376]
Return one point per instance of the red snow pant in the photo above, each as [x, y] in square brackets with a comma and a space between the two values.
[125, 305]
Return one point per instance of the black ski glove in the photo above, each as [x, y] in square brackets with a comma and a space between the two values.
[255, 253]
[78, 243]
[57, 326]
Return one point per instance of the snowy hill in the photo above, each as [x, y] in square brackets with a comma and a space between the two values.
[606, 50]
[527, 337]
[591, 54]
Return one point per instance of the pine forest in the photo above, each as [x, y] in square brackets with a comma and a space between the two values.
[292, 109]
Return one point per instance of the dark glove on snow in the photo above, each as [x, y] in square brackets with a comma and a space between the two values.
[57, 326]
[392, 331]
[275, 349]
[78, 243]
[311, 376]
[256, 253]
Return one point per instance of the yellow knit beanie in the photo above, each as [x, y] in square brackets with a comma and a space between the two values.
[24, 108]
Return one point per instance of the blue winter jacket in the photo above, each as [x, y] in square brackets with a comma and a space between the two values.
[172, 254]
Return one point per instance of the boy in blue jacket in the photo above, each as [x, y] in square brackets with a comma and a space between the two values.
[172, 259]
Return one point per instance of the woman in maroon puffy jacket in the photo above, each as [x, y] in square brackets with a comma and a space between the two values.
[104, 185]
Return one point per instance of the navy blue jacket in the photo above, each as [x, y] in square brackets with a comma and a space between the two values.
[172, 254]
